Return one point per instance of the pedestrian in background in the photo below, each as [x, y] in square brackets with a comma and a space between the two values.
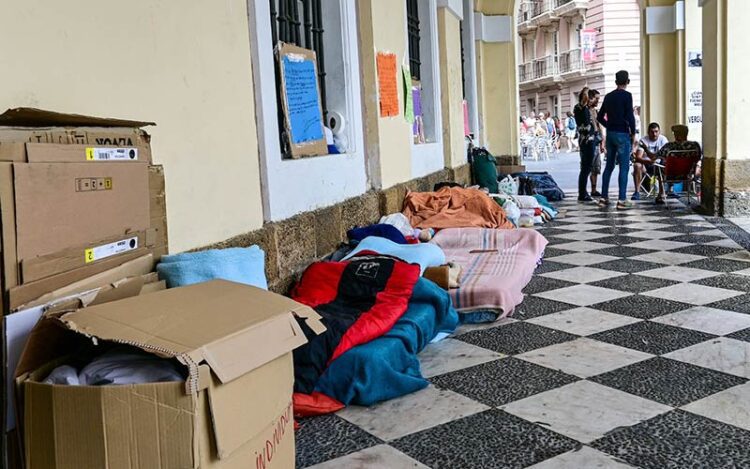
[616, 116]
[586, 136]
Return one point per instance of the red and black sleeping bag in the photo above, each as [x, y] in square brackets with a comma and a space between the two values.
[359, 300]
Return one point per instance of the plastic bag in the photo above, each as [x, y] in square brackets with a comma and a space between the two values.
[508, 186]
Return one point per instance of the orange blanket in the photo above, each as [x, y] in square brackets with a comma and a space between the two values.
[454, 207]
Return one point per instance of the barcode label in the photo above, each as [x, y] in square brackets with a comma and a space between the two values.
[111, 249]
[111, 154]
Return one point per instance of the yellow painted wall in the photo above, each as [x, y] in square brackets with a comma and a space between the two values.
[737, 94]
[498, 96]
[497, 85]
[388, 138]
[451, 88]
[662, 60]
[184, 65]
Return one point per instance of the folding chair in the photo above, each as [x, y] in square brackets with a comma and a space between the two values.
[679, 167]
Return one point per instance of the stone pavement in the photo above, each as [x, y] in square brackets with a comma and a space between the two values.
[632, 348]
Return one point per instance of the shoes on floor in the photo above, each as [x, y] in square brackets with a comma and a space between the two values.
[603, 202]
[659, 201]
[624, 205]
[596, 194]
[585, 199]
[636, 196]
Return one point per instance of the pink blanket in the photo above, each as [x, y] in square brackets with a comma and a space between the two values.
[497, 265]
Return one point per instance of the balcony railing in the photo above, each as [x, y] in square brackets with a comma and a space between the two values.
[526, 72]
[531, 9]
[571, 61]
[551, 66]
[540, 7]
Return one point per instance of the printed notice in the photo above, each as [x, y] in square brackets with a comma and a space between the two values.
[303, 102]
[408, 98]
[111, 249]
[387, 84]
[111, 154]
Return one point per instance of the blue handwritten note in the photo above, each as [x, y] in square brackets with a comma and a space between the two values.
[302, 100]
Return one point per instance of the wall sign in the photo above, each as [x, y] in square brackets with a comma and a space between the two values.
[303, 114]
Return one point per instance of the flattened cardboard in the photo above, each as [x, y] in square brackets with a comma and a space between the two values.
[140, 266]
[56, 208]
[32, 117]
[8, 226]
[313, 148]
[73, 153]
[234, 328]
[41, 267]
[28, 292]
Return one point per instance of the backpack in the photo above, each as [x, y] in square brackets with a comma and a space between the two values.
[571, 123]
[483, 169]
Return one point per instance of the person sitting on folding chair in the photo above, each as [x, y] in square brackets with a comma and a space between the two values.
[645, 156]
[682, 147]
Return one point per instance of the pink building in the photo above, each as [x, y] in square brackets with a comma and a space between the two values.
[554, 62]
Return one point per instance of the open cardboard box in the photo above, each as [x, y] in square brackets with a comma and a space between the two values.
[234, 410]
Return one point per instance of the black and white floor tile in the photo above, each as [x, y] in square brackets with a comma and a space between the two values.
[631, 349]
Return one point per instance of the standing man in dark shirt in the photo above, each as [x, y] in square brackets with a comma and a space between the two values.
[616, 115]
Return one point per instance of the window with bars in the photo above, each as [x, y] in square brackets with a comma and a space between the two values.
[412, 21]
[299, 22]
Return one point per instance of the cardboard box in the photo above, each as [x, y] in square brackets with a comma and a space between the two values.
[510, 169]
[234, 410]
[64, 205]
[22, 126]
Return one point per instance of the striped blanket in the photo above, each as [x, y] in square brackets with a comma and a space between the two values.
[497, 265]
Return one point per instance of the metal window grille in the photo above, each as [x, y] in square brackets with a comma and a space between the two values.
[463, 59]
[412, 21]
[299, 22]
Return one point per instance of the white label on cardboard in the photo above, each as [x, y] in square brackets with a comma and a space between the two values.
[111, 154]
[111, 249]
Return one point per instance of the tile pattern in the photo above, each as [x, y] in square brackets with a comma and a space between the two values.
[630, 349]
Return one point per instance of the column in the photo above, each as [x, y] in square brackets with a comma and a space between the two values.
[450, 14]
[497, 77]
[726, 163]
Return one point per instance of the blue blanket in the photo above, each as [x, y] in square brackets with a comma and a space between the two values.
[241, 265]
[424, 254]
[387, 367]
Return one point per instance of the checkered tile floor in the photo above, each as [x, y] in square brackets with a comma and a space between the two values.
[632, 348]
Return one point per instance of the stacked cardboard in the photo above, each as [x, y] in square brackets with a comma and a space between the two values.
[82, 212]
[78, 198]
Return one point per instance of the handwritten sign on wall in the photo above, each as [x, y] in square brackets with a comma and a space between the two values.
[303, 113]
[388, 84]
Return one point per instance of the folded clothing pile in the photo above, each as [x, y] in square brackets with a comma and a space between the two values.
[120, 365]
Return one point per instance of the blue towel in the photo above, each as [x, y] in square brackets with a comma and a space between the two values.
[424, 254]
[388, 367]
[381, 229]
[241, 265]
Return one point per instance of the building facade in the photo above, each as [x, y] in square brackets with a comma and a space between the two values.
[205, 73]
[564, 45]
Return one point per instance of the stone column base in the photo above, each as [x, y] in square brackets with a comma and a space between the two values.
[726, 187]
